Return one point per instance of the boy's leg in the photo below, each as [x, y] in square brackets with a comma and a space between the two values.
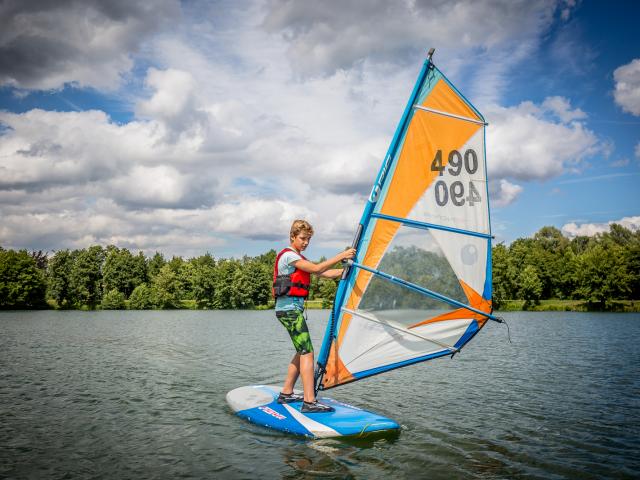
[296, 325]
[306, 371]
[292, 375]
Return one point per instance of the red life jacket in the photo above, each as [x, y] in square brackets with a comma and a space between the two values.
[295, 284]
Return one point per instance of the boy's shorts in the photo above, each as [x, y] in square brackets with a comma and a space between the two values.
[294, 322]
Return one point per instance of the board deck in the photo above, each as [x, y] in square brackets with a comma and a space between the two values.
[257, 404]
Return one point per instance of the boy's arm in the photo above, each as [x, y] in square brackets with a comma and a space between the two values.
[332, 273]
[318, 268]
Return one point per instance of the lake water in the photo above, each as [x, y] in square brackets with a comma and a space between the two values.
[142, 395]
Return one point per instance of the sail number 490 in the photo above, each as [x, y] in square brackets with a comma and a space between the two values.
[456, 191]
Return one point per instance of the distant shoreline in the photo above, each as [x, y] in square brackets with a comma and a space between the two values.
[552, 305]
[570, 306]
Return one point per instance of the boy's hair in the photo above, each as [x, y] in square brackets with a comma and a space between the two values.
[298, 227]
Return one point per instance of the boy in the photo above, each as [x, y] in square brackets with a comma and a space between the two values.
[292, 278]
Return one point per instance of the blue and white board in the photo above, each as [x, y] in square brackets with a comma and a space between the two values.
[257, 403]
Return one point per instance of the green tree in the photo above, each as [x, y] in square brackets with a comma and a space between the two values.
[602, 275]
[620, 235]
[85, 279]
[183, 271]
[566, 268]
[22, 283]
[502, 282]
[581, 244]
[530, 286]
[123, 271]
[41, 259]
[627, 243]
[550, 238]
[203, 281]
[241, 288]
[154, 264]
[547, 255]
[141, 298]
[225, 285]
[260, 281]
[327, 291]
[520, 255]
[633, 267]
[267, 259]
[186, 275]
[166, 288]
[113, 300]
[59, 278]
[176, 264]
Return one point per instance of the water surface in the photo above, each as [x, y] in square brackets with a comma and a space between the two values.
[141, 395]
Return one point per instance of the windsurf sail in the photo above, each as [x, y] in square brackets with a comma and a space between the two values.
[420, 285]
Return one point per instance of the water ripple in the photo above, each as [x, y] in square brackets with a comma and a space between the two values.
[141, 395]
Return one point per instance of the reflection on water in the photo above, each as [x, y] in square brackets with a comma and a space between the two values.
[141, 395]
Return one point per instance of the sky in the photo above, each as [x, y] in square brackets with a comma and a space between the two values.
[208, 126]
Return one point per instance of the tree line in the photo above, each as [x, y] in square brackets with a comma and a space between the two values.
[115, 278]
[596, 270]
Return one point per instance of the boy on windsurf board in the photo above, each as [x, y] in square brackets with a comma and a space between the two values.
[291, 283]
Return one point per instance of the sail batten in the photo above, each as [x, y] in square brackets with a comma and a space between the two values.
[420, 285]
[425, 225]
[448, 114]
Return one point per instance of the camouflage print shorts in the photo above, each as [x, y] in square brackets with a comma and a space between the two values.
[293, 321]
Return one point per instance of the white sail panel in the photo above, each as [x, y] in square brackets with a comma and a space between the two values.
[392, 345]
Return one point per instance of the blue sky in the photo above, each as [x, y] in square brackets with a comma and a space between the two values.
[576, 61]
[200, 126]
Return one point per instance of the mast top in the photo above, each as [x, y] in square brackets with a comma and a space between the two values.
[430, 53]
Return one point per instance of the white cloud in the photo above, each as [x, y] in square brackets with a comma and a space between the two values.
[623, 162]
[43, 148]
[182, 232]
[561, 107]
[190, 154]
[586, 229]
[53, 162]
[159, 185]
[257, 218]
[627, 87]
[173, 95]
[349, 170]
[329, 36]
[590, 229]
[637, 150]
[44, 45]
[525, 144]
[173, 157]
[240, 129]
[478, 42]
[503, 192]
